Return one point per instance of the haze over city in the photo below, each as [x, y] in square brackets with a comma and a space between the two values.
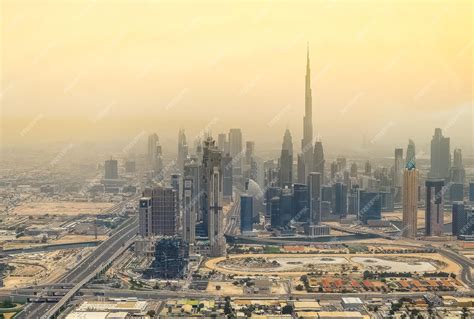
[95, 71]
[236, 159]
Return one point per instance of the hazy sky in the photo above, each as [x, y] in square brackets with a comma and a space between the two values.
[97, 70]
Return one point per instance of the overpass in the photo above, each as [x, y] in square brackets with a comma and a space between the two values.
[89, 267]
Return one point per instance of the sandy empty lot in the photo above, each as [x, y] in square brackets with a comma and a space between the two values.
[61, 208]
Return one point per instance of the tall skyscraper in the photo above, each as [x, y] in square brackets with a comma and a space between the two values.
[158, 163]
[275, 211]
[457, 173]
[300, 203]
[318, 160]
[286, 161]
[370, 206]
[191, 199]
[368, 169]
[300, 169]
[340, 199]
[314, 190]
[144, 217]
[212, 186]
[250, 165]
[130, 167]
[164, 208]
[434, 207]
[235, 151]
[246, 213]
[182, 150]
[222, 142]
[353, 172]
[287, 142]
[227, 172]
[175, 182]
[398, 167]
[471, 191]
[410, 152]
[459, 218]
[111, 169]
[334, 171]
[307, 141]
[440, 156]
[189, 210]
[410, 200]
[152, 142]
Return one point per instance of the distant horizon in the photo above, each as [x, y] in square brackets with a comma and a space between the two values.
[158, 68]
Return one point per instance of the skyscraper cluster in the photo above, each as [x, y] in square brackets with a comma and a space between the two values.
[299, 190]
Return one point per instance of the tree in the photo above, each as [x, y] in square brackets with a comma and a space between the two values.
[287, 310]
[151, 313]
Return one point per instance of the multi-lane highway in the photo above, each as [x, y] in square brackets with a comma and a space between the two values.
[96, 260]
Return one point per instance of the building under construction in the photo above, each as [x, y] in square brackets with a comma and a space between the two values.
[171, 259]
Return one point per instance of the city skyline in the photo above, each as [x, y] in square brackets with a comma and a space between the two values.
[236, 159]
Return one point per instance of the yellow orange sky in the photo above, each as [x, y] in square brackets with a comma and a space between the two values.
[89, 70]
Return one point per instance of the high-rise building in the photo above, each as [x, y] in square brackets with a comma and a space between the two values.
[334, 171]
[368, 169]
[152, 142]
[269, 194]
[192, 171]
[300, 203]
[410, 200]
[457, 173]
[307, 141]
[235, 151]
[111, 169]
[271, 174]
[440, 156]
[410, 153]
[190, 207]
[199, 150]
[182, 150]
[318, 160]
[456, 192]
[222, 143]
[171, 259]
[250, 164]
[314, 190]
[212, 185]
[249, 151]
[340, 199]
[353, 200]
[130, 167]
[370, 206]
[457, 158]
[300, 169]
[471, 191]
[164, 210]
[175, 182]
[353, 172]
[285, 208]
[287, 142]
[275, 212]
[246, 213]
[158, 162]
[227, 175]
[286, 161]
[144, 217]
[459, 218]
[434, 207]
[398, 167]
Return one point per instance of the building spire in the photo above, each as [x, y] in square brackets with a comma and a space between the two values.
[307, 141]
